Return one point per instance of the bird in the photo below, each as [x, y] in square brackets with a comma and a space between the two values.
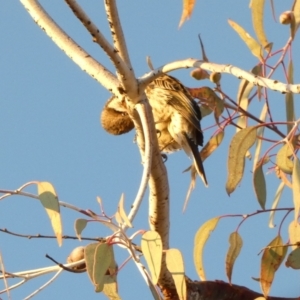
[114, 117]
[176, 116]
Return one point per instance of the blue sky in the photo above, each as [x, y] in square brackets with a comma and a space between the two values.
[50, 131]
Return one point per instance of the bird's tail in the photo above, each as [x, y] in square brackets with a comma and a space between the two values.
[197, 160]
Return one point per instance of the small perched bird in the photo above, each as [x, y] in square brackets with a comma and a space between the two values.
[176, 115]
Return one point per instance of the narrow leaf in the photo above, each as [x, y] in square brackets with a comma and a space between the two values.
[212, 145]
[275, 203]
[200, 240]
[296, 187]
[240, 144]
[80, 224]
[89, 254]
[246, 87]
[260, 133]
[296, 23]
[175, 265]
[122, 212]
[152, 249]
[103, 257]
[118, 218]
[235, 245]
[293, 260]
[259, 183]
[270, 262]
[188, 6]
[283, 160]
[49, 200]
[257, 9]
[294, 233]
[251, 43]
[289, 98]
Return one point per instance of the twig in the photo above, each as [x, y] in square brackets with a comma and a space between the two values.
[66, 268]
[144, 111]
[43, 236]
[5, 280]
[44, 285]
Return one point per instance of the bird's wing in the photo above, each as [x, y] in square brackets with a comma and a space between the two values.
[180, 99]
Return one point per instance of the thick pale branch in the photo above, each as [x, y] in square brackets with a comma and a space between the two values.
[73, 50]
[98, 37]
[127, 78]
[237, 72]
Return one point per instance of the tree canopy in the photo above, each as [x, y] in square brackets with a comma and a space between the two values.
[54, 144]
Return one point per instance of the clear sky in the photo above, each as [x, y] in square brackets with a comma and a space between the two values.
[50, 131]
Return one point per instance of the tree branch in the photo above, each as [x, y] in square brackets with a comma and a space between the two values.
[71, 48]
[98, 37]
[235, 71]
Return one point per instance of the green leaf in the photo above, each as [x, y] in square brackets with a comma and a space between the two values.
[283, 160]
[175, 265]
[259, 183]
[294, 233]
[246, 87]
[275, 203]
[251, 43]
[240, 144]
[296, 187]
[49, 200]
[103, 258]
[289, 98]
[212, 145]
[89, 254]
[152, 249]
[98, 258]
[200, 240]
[293, 260]
[80, 224]
[271, 260]
[243, 94]
[257, 9]
[235, 245]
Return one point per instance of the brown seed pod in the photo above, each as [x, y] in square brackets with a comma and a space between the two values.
[286, 17]
[199, 74]
[76, 255]
[215, 77]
